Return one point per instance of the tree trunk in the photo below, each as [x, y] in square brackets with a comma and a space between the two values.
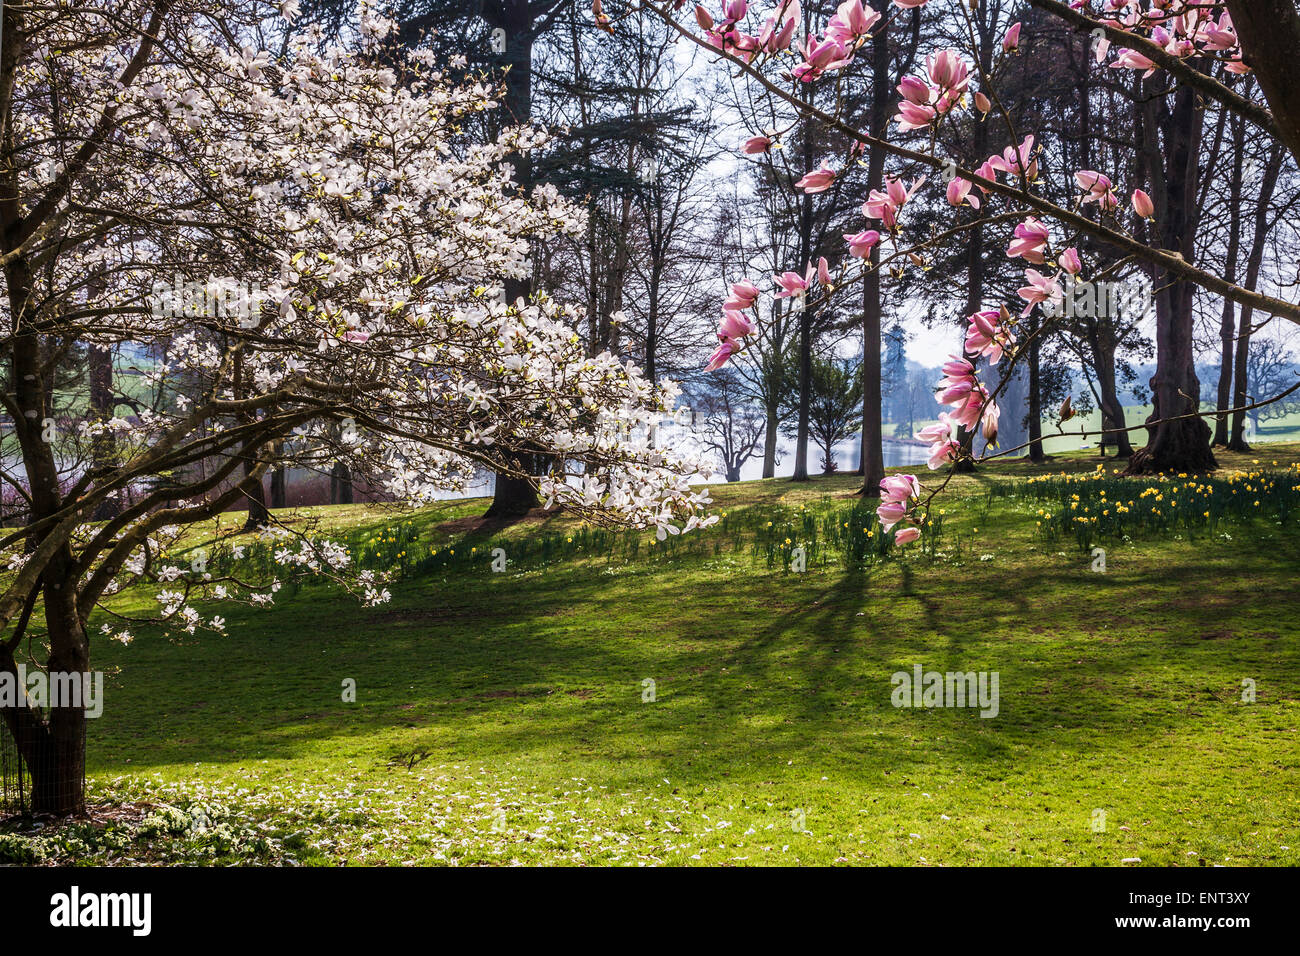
[279, 480]
[1241, 393]
[770, 437]
[258, 515]
[1269, 31]
[1183, 443]
[341, 484]
[1036, 454]
[1112, 411]
[100, 362]
[872, 461]
[1224, 394]
[514, 496]
[805, 323]
[975, 252]
[58, 761]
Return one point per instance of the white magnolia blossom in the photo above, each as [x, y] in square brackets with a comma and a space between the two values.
[314, 245]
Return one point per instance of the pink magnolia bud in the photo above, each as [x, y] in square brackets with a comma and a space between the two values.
[1069, 261]
[1143, 205]
[1012, 40]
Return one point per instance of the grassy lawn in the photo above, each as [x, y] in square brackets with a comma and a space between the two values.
[499, 717]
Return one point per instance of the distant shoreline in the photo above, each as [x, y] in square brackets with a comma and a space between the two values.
[901, 441]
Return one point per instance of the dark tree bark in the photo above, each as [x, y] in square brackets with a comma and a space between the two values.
[515, 496]
[52, 746]
[1174, 443]
[805, 320]
[279, 479]
[341, 484]
[1112, 411]
[258, 514]
[1224, 394]
[1241, 387]
[975, 267]
[1269, 31]
[872, 463]
[1036, 454]
[102, 406]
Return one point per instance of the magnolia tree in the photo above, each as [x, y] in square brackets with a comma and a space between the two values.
[305, 254]
[1191, 58]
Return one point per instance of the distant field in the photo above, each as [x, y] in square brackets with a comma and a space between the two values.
[1284, 429]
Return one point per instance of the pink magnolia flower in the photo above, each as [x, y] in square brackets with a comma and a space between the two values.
[1219, 36]
[1017, 160]
[1143, 205]
[941, 453]
[851, 20]
[986, 336]
[914, 115]
[958, 192]
[948, 71]
[908, 4]
[986, 171]
[1097, 187]
[1132, 60]
[907, 535]
[861, 243]
[942, 437]
[1012, 39]
[792, 283]
[356, 335]
[774, 39]
[1040, 289]
[1069, 261]
[970, 408]
[900, 487]
[735, 10]
[885, 205]
[880, 206]
[941, 430]
[897, 495]
[890, 513]
[743, 294]
[819, 180]
[915, 90]
[734, 326]
[756, 144]
[1030, 240]
[958, 381]
[819, 57]
[989, 421]
[720, 356]
[823, 272]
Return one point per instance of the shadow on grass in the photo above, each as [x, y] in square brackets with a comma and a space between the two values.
[752, 669]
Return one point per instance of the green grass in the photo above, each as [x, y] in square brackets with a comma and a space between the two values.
[500, 717]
